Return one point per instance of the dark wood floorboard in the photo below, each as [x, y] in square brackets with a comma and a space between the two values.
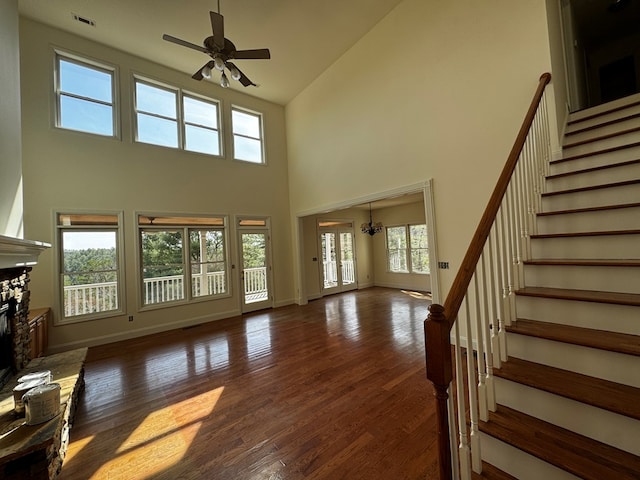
[335, 389]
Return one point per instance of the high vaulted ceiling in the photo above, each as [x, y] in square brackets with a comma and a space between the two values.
[305, 37]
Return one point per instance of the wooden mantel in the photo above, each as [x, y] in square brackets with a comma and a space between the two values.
[16, 252]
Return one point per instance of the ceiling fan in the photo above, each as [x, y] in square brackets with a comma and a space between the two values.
[222, 51]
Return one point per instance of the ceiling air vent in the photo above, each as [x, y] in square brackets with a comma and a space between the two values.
[86, 21]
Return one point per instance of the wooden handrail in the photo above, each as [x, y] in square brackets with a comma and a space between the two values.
[468, 265]
[440, 320]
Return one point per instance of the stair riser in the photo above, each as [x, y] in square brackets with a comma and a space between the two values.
[594, 178]
[603, 220]
[596, 247]
[623, 123]
[518, 463]
[609, 158]
[597, 278]
[592, 198]
[611, 366]
[599, 316]
[607, 427]
[604, 111]
[618, 140]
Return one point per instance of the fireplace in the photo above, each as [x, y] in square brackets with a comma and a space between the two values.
[15, 343]
[6, 357]
[16, 258]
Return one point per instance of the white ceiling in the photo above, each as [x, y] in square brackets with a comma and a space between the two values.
[304, 36]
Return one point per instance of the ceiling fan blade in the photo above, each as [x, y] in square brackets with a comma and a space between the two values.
[184, 43]
[217, 26]
[198, 75]
[244, 80]
[257, 54]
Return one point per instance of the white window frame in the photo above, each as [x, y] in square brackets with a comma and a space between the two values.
[408, 253]
[181, 123]
[91, 64]
[260, 138]
[185, 228]
[61, 318]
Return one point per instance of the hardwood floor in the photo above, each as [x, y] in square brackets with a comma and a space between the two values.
[335, 389]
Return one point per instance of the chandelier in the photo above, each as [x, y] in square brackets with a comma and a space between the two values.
[371, 228]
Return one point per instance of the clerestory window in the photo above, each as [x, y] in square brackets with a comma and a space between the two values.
[85, 93]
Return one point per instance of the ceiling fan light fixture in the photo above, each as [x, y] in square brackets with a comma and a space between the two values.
[235, 73]
[218, 63]
[206, 71]
[224, 81]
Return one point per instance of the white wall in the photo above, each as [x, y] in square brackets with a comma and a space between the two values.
[70, 170]
[436, 90]
[11, 206]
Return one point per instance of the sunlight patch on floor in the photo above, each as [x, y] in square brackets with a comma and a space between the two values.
[162, 438]
[421, 295]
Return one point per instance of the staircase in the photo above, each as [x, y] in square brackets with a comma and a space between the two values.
[568, 398]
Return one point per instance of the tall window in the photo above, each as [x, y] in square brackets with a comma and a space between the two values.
[90, 269]
[408, 249]
[182, 258]
[85, 93]
[168, 117]
[247, 135]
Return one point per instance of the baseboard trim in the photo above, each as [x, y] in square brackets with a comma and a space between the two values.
[141, 332]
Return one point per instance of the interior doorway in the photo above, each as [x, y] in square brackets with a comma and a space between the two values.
[337, 253]
[602, 50]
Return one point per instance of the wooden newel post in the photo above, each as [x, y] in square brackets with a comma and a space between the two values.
[439, 372]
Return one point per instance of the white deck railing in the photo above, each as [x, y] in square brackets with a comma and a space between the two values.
[330, 273]
[103, 297]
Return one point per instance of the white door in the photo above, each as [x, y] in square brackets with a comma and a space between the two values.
[337, 252]
[255, 258]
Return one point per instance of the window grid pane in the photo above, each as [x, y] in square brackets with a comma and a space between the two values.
[208, 263]
[89, 271]
[247, 136]
[397, 249]
[84, 97]
[162, 266]
[419, 248]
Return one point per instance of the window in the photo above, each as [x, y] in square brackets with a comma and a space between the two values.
[193, 126]
[166, 258]
[201, 133]
[90, 267]
[85, 94]
[156, 115]
[408, 249]
[247, 135]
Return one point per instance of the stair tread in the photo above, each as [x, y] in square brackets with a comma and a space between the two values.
[587, 234]
[602, 186]
[632, 299]
[602, 137]
[578, 262]
[593, 169]
[491, 473]
[587, 337]
[606, 123]
[589, 209]
[593, 153]
[605, 394]
[569, 451]
[573, 121]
